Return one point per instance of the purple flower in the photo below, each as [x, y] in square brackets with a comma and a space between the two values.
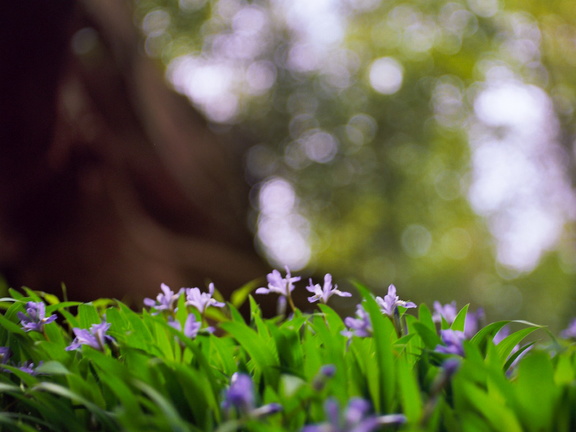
[473, 322]
[326, 372]
[448, 368]
[451, 366]
[279, 285]
[570, 331]
[514, 364]
[4, 355]
[391, 301]
[360, 326]
[324, 293]
[202, 301]
[35, 317]
[240, 396]
[191, 326]
[165, 300]
[499, 337]
[354, 419]
[502, 334]
[266, 410]
[453, 342]
[96, 337]
[281, 306]
[29, 367]
[447, 311]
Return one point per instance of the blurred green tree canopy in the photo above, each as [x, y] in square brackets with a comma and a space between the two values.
[425, 144]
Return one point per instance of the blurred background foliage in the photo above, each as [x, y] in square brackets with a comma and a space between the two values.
[425, 144]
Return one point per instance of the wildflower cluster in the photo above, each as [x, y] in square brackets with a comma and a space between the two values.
[35, 317]
[25, 366]
[323, 293]
[96, 337]
[166, 302]
[189, 361]
[389, 304]
[283, 286]
[361, 325]
[356, 417]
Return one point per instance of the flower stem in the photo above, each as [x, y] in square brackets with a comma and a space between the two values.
[291, 303]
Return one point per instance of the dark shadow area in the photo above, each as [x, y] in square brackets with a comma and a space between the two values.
[110, 182]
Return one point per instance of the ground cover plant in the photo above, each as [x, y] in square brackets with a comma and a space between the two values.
[190, 362]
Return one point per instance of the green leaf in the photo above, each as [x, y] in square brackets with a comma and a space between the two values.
[7, 300]
[429, 337]
[104, 417]
[134, 329]
[235, 314]
[55, 334]
[536, 391]
[176, 423]
[34, 295]
[15, 422]
[369, 378]
[289, 348]
[516, 355]
[126, 395]
[9, 388]
[163, 340]
[332, 318]
[324, 344]
[55, 410]
[460, 320]
[384, 337]
[216, 315]
[500, 416]
[425, 317]
[52, 368]
[15, 294]
[409, 391]
[88, 315]
[201, 395]
[488, 332]
[404, 340]
[564, 372]
[26, 378]
[50, 299]
[262, 353]
[254, 308]
[11, 326]
[222, 354]
[506, 345]
[59, 306]
[71, 320]
[202, 360]
[239, 296]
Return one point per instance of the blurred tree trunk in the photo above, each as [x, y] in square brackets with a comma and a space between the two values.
[110, 182]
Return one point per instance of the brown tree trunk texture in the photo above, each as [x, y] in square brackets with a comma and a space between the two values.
[109, 181]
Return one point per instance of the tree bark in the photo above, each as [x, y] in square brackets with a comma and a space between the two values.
[110, 182]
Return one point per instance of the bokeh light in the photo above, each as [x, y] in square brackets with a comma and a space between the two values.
[282, 230]
[386, 75]
[429, 144]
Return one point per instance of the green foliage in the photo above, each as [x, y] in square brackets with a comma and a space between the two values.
[152, 377]
[383, 181]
